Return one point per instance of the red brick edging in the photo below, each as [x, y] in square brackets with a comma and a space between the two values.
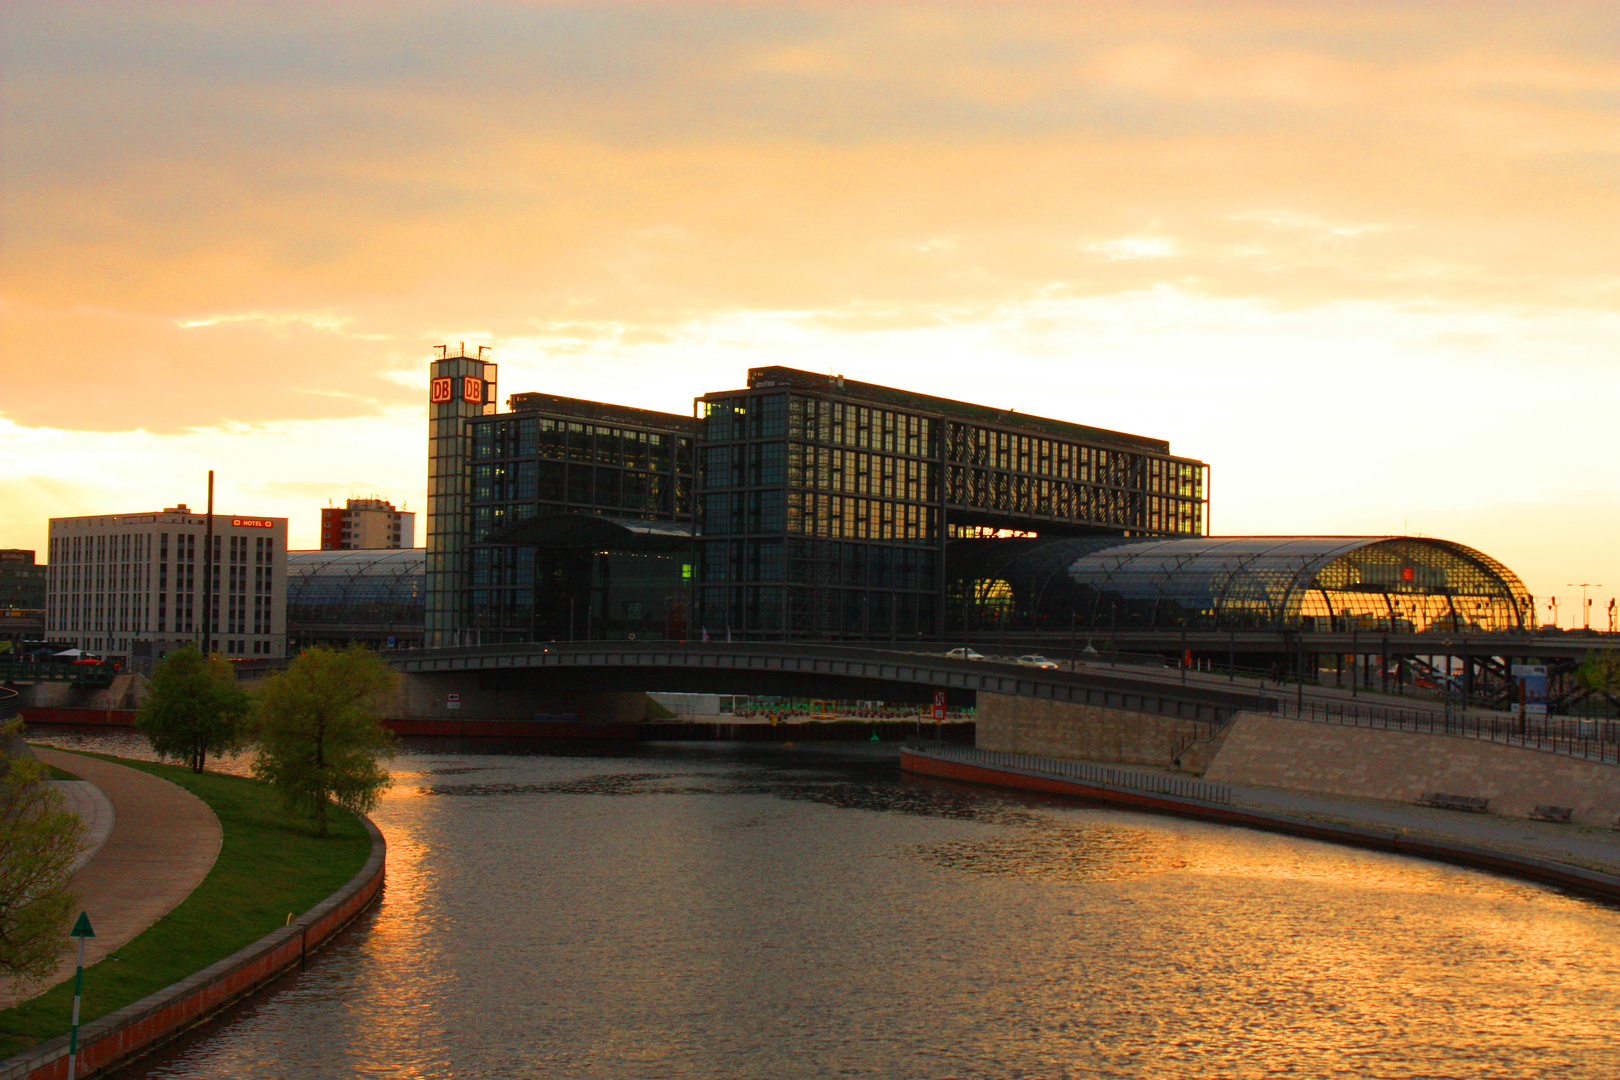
[114, 1039]
[1564, 875]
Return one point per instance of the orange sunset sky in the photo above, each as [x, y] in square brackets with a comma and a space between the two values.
[1360, 257]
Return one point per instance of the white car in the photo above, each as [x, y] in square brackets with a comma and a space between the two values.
[1036, 660]
[966, 654]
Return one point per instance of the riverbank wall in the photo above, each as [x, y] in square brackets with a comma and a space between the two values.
[1030, 725]
[1402, 766]
[1032, 774]
[117, 1038]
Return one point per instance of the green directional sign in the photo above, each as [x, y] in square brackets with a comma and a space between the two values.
[81, 930]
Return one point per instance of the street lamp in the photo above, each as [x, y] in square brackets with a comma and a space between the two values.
[1586, 605]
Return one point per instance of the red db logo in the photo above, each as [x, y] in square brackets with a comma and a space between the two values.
[440, 391]
[472, 389]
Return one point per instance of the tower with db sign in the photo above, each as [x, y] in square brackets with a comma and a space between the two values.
[135, 586]
[461, 386]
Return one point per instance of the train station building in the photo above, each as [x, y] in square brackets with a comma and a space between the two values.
[801, 506]
[818, 508]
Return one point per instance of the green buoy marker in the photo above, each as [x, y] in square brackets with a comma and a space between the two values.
[81, 930]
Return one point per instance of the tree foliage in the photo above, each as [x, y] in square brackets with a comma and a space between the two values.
[1600, 672]
[39, 840]
[319, 737]
[195, 708]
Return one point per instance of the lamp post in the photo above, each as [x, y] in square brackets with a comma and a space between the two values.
[1586, 605]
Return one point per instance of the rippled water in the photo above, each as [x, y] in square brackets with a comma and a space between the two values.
[770, 912]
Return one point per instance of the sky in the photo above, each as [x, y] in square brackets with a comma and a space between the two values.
[1360, 257]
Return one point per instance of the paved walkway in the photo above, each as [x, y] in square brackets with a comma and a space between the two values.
[152, 843]
[1589, 846]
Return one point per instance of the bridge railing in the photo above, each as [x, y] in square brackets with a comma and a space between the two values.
[90, 675]
[1592, 740]
[1155, 783]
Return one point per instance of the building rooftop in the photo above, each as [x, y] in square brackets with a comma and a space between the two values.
[580, 409]
[837, 385]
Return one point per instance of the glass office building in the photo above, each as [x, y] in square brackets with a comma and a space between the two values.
[827, 505]
[802, 506]
[580, 522]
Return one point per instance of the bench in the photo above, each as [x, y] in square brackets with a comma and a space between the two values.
[1551, 813]
[1454, 802]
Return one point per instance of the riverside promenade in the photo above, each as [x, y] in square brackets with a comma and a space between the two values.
[1582, 858]
[150, 844]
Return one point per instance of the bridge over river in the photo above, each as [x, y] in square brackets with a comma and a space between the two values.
[498, 677]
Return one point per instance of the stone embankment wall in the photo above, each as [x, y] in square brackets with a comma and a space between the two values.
[119, 1036]
[1025, 725]
[126, 692]
[1402, 766]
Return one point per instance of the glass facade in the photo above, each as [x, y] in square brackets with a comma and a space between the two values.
[802, 507]
[376, 596]
[1399, 584]
[826, 505]
[553, 460]
[461, 388]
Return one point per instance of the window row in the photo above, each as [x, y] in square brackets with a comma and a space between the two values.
[855, 517]
[594, 487]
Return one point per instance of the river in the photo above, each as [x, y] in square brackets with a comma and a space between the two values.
[755, 911]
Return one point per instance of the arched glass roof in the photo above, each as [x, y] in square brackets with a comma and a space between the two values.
[1299, 582]
[376, 588]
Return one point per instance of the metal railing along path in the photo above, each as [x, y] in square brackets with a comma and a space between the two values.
[1590, 740]
[1126, 779]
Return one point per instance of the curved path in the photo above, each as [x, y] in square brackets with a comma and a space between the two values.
[152, 843]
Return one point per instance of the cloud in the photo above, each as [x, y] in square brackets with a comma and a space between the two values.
[1374, 225]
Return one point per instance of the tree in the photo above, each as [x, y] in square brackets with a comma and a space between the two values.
[1600, 673]
[195, 707]
[39, 840]
[319, 737]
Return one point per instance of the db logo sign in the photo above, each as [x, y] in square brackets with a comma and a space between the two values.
[443, 390]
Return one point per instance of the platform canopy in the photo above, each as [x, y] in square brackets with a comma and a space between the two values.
[1399, 583]
[372, 587]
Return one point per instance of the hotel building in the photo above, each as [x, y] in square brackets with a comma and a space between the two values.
[134, 585]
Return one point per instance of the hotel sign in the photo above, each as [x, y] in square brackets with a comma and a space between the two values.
[443, 389]
[253, 523]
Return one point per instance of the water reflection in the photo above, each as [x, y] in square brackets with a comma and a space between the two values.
[771, 912]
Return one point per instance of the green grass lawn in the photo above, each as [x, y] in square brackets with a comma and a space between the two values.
[270, 865]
